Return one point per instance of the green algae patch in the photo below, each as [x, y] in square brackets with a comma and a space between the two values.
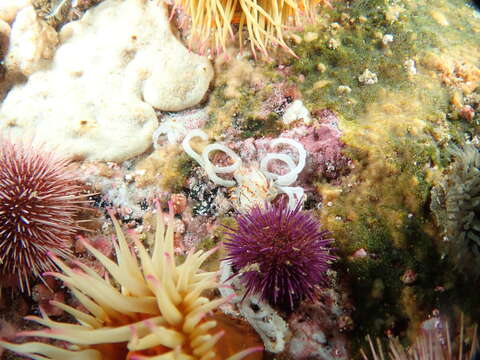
[244, 115]
[254, 127]
[168, 167]
[389, 38]
[356, 39]
[237, 101]
[397, 119]
[385, 298]
[381, 207]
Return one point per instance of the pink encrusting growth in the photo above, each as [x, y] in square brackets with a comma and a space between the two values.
[39, 199]
[148, 307]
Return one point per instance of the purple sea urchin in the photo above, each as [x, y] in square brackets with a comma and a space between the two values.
[39, 198]
[280, 253]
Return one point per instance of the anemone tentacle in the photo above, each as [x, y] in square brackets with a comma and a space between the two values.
[148, 308]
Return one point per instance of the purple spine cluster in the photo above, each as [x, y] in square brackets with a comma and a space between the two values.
[280, 253]
[39, 199]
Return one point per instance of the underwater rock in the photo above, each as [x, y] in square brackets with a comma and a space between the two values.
[316, 330]
[323, 143]
[111, 69]
[117, 186]
[174, 126]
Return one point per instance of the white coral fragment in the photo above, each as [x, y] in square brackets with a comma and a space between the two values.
[409, 66]
[387, 39]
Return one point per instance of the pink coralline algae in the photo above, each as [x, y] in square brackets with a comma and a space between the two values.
[323, 144]
[280, 253]
[282, 96]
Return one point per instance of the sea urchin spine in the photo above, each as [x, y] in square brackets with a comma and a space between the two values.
[39, 198]
[280, 253]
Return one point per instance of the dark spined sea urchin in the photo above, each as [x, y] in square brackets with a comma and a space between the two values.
[280, 253]
[39, 197]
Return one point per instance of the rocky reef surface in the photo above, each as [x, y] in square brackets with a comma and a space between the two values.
[379, 112]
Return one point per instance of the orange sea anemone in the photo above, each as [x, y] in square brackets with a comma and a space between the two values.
[265, 21]
[151, 310]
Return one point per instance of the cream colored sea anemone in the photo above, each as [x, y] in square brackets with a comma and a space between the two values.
[152, 310]
[265, 21]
